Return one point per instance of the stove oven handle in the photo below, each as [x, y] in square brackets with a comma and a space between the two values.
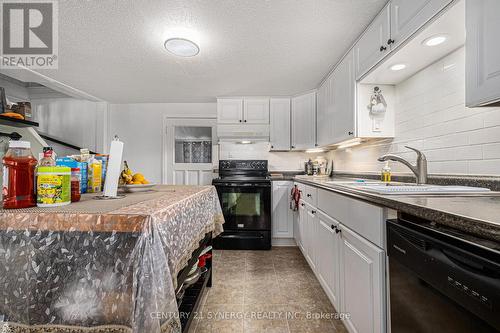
[242, 185]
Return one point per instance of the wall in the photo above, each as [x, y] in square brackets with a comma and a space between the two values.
[75, 121]
[431, 115]
[13, 91]
[282, 161]
[141, 128]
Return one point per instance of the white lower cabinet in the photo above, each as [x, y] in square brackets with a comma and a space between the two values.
[301, 220]
[282, 215]
[328, 258]
[350, 268]
[362, 283]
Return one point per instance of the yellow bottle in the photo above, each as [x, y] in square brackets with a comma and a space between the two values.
[386, 173]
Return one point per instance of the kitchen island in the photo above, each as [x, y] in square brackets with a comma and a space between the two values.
[102, 265]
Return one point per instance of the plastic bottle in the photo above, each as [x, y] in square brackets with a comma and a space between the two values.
[19, 176]
[386, 173]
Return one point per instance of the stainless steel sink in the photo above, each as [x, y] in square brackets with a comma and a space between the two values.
[414, 189]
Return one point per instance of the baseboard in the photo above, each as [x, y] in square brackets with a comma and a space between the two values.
[283, 242]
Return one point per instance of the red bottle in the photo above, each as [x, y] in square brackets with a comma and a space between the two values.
[19, 176]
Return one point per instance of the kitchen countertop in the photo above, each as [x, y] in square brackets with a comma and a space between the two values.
[475, 214]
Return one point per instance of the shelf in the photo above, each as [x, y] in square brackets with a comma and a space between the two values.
[17, 122]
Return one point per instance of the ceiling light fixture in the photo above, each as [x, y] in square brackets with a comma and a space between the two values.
[245, 142]
[397, 67]
[435, 40]
[182, 47]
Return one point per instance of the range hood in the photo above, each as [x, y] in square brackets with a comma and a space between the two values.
[247, 132]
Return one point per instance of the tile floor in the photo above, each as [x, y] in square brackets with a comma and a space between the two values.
[264, 291]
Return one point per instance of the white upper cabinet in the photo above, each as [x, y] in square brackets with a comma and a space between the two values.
[482, 56]
[324, 116]
[229, 111]
[280, 123]
[409, 16]
[372, 46]
[336, 104]
[344, 95]
[244, 111]
[362, 283]
[256, 110]
[304, 121]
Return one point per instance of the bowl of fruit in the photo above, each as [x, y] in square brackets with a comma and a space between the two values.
[133, 182]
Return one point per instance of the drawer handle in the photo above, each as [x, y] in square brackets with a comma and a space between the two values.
[337, 230]
[383, 48]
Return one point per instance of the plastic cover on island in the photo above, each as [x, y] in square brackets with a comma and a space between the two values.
[111, 271]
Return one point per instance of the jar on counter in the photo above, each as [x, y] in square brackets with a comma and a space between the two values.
[19, 176]
[53, 186]
[76, 181]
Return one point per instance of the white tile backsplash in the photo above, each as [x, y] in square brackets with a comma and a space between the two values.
[431, 115]
[282, 161]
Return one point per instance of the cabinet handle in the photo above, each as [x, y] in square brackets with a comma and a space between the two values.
[293, 147]
[316, 145]
[313, 212]
[391, 41]
[333, 227]
[308, 195]
[302, 204]
[337, 230]
[350, 133]
[245, 120]
[272, 147]
[240, 120]
[383, 48]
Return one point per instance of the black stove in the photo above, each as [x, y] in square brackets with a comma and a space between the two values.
[244, 190]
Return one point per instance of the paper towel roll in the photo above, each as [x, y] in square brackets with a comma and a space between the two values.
[114, 166]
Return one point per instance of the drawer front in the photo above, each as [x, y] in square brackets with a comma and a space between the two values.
[310, 195]
[363, 218]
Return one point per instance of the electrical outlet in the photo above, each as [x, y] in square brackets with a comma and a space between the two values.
[377, 125]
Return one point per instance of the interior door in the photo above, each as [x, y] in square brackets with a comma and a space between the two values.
[189, 151]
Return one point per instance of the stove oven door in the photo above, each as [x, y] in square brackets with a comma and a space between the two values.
[246, 207]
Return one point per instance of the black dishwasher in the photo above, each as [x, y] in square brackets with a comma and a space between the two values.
[441, 280]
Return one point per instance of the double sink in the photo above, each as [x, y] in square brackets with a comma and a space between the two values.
[396, 188]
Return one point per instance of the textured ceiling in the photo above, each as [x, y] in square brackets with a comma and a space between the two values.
[113, 49]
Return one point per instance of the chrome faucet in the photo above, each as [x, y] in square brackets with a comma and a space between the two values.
[420, 170]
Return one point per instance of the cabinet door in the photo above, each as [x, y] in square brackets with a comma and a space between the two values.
[343, 111]
[328, 258]
[282, 219]
[304, 121]
[362, 283]
[482, 56]
[229, 111]
[311, 235]
[324, 117]
[256, 111]
[301, 221]
[280, 123]
[372, 46]
[409, 16]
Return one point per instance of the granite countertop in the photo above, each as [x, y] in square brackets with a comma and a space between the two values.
[476, 214]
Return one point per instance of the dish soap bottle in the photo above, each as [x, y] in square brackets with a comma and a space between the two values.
[386, 173]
